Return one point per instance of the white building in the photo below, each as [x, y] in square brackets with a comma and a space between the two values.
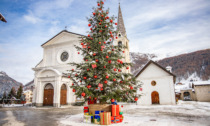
[158, 85]
[51, 86]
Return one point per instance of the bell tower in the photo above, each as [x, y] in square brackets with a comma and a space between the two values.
[122, 38]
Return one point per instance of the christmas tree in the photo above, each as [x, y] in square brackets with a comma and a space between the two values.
[103, 75]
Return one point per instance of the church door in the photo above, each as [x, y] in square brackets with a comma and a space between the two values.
[48, 95]
[155, 97]
[63, 95]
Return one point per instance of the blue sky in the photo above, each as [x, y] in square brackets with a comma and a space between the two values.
[163, 27]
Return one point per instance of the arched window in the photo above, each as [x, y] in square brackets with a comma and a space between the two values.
[120, 43]
[119, 35]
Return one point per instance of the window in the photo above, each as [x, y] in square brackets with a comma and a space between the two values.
[64, 56]
[119, 35]
[120, 43]
[153, 83]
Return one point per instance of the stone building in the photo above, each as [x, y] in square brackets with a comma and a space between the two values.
[188, 94]
[52, 87]
[158, 85]
[202, 90]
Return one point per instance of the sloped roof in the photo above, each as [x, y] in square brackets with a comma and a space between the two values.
[2, 18]
[174, 76]
[59, 34]
[120, 22]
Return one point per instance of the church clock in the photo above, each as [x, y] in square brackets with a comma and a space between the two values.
[64, 56]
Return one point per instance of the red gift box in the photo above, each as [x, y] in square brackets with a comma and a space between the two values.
[85, 109]
[121, 118]
[115, 119]
[115, 110]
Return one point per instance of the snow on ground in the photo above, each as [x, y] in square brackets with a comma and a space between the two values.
[188, 113]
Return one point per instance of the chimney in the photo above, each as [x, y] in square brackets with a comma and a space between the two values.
[169, 68]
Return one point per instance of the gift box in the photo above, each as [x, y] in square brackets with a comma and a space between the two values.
[115, 119]
[99, 107]
[105, 118]
[85, 109]
[121, 118]
[96, 121]
[87, 119]
[115, 110]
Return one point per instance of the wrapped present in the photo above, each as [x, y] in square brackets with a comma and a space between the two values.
[114, 103]
[121, 113]
[96, 121]
[99, 107]
[121, 118]
[105, 118]
[86, 109]
[115, 119]
[115, 110]
[87, 113]
[87, 119]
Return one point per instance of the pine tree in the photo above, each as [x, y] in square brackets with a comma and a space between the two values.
[12, 92]
[19, 92]
[102, 75]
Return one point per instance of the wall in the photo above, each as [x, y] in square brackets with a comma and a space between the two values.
[202, 93]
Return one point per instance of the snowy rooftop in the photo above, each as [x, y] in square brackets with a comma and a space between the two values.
[202, 82]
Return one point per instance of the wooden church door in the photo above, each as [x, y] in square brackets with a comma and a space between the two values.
[63, 95]
[155, 97]
[48, 95]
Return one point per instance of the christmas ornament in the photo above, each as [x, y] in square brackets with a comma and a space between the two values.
[105, 81]
[83, 94]
[101, 89]
[81, 43]
[88, 35]
[104, 66]
[95, 76]
[107, 77]
[119, 70]
[72, 84]
[72, 69]
[68, 76]
[78, 52]
[94, 66]
[98, 4]
[104, 42]
[131, 87]
[84, 46]
[140, 89]
[84, 78]
[123, 51]
[114, 79]
[136, 99]
[115, 69]
[96, 60]
[116, 37]
[94, 13]
[111, 21]
[127, 68]
[94, 54]
[110, 61]
[107, 57]
[115, 23]
[100, 85]
[99, 42]
[112, 100]
[88, 69]
[73, 90]
[89, 25]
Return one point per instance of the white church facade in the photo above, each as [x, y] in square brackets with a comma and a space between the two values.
[51, 85]
[158, 85]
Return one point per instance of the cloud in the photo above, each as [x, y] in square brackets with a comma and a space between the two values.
[31, 18]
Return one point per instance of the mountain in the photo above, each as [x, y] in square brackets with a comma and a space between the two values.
[183, 66]
[6, 83]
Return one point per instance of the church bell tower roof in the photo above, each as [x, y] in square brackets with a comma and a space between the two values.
[120, 22]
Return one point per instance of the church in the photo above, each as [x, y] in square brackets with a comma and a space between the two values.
[51, 85]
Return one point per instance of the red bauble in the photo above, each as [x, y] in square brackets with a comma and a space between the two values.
[86, 60]
[84, 78]
[89, 25]
[100, 31]
[96, 60]
[94, 54]
[105, 82]
[102, 2]
[115, 69]
[104, 42]
[131, 87]
[99, 23]
[101, 89]
[127, 68]
[122, 106]
[107, 57]
[81, 43]
[91, 38]
[69, 76]
[78, 52]
[110, 32]
[73, 90]
[88, 69]
[107, 12]
[111, 35]
[94, 13]
[101, 49]
[75, 74]
[121, 82]
[83, 94]
[119, 70]
[107, 77]
[95, 76]
[89, 86]
[112, 100]
[98, 4]
[136, 99]
[112, 49]
[72, 84]
[114, 79]
[123, 51]
[72, 69]
[105, 26]
[107, 17]
[88, 47]
[111, 21]
[115, 23]
[88, 35]
[116, 37]
[91, 29]
[110, 61]
[104, 66]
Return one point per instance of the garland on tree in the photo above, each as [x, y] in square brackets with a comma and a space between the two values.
[102, 75]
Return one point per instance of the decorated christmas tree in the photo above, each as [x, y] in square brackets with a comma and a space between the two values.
[103, 75]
